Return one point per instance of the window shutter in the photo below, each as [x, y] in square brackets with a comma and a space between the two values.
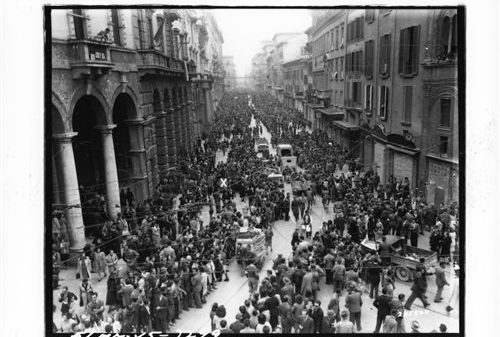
[135, 29]
[360, 60]
[415, 49]
[386, 101]
[388, 53]
[402, 42]
[379, 101]
[381, 55]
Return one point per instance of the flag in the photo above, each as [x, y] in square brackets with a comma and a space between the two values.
[158, 38]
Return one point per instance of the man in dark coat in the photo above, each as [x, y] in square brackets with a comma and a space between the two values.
[162, 312]
[317, 316]
[383, 304]
[418, 290]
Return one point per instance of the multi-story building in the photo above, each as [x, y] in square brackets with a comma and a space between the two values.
[122, 102]
[293, 72]
[258, 73]
[384, 83]
[229, 73]
[404, 81]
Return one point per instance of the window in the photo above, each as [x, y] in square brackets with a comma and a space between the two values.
[342, 31]
[443, 146]
[341, 98]
[354, 93]
[407, 104]
[140, 24]
[78, 20]
[115, 19]
[445, 117]
[341, 68]
[369, 98]
[383, 99]
[385, 55]
[408, 50]
[448, 39]
[355, 29]
[337, 38]
[336, 97]
[354, 61]
[369, 15]
[369, 45]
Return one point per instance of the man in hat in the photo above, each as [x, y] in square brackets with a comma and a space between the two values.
[196, 282]
[317, 316]
[382, 303]
[162, 317]
[288, 289]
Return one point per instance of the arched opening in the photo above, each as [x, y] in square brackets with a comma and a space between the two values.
[87, 114]
[123, 109]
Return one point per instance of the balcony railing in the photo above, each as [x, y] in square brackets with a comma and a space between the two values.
[90, 57]
[151, 61]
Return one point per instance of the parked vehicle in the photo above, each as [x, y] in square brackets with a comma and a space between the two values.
[403, 258]
[285, 153]
[250, 247]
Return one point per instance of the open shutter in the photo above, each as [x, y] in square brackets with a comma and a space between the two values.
[402, 42]
[135, 29]
[415, 49]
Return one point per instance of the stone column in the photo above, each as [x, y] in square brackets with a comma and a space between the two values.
[185, 137]
[178, 128]
[137, 155]
[110, 171]
[65, 162]
[161, 142]
[171, 142]
[56, 189]
[189, 116]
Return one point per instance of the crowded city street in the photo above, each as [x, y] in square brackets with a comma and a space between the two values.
[190, 264]
[298, 177]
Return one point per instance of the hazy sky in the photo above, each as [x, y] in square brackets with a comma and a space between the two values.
[244, 29]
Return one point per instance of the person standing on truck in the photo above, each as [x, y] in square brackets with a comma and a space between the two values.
[385, 251]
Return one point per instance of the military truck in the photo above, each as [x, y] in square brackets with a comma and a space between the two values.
[404, 258]
[250, 247]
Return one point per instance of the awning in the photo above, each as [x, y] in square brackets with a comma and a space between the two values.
[333, 112]
[346, 125]
[411, 152]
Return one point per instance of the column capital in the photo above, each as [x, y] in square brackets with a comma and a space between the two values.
[64, 137]
[105, 128]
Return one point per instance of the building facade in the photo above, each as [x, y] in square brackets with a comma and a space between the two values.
[128, 97]
[229, 73]
[383, 82]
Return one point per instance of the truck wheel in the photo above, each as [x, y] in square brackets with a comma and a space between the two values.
[403, 274]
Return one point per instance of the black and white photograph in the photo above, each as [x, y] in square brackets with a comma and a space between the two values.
[227, 169]
[305, 180]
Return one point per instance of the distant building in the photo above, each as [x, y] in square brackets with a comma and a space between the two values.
[229, 73]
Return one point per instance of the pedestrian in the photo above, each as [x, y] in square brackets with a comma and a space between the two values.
[418, 290]
[100, 261]
[345, 325]
[440, 281]
[353, 303]
[85, 291]
[84, 267]
[338, 272]
[382, 303]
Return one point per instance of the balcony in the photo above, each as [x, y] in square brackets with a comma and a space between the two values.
[90, 58]
[153, 62]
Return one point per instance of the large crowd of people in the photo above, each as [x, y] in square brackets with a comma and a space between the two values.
[173, 260]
